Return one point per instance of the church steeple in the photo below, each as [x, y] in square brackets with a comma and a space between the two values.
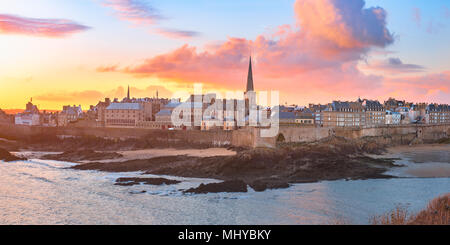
[128, 94]
[250, 87]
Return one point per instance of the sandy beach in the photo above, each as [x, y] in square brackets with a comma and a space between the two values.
[153, 153]
[422, 161]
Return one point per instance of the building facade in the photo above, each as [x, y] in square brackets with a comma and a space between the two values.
[438, 114]
[69, 114]
[100, 108]
[375, 113]
[124, 115]
[344, 114]
[393, 118]
[30, 117]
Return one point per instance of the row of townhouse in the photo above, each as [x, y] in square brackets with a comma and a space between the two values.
[438, 114]
[344, 114]
[31, 116]
[128, 113]
[371, 113]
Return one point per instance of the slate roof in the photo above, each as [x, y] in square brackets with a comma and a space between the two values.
[124, 106]
[346, 106]
[164, 113]
[287, 115]
[440, 108]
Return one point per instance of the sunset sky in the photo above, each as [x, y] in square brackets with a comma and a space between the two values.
[78, 52]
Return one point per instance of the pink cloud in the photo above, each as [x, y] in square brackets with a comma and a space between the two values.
[140, 12]
[417, 16]
[177, 34]
[136, 11]
[394, 66]
[110, 68]
[427, 88]
[12, 24]
[346, 24]
[290, 50]
[315, 61]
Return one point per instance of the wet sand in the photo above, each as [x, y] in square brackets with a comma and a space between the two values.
[422, 153]
[422, 161]
[154, 153]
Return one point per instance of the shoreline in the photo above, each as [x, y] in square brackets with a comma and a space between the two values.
[264, 169]
[335, 158]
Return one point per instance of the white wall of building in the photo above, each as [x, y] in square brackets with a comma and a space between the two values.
[27, 119]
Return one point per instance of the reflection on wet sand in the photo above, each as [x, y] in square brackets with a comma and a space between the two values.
[421, 161]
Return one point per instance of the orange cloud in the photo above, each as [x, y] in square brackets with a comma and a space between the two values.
[290, 51]
[111, 68]
[63, 96]
[346, 24]
[11, 24]
[316, 61]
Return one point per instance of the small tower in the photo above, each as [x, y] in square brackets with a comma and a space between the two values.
[250, 95]
[128, 93]
[250, 87]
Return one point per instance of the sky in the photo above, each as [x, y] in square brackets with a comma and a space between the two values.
[61, 52]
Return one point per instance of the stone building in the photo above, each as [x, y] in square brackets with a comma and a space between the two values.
[101, 111]
[163, 119]
[30, 117]
[317, 113]
[287, 117]
[392, 104]
[344, 114]
[438, 114]
[124, 115]
[393, 118]
[69, 114]
[375, 113]
[305, 117]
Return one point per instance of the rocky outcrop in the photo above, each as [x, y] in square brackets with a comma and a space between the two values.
[8, 157]
[145, 181]
[269, 184]
[82, 155]
[263, 168]
[227, 186]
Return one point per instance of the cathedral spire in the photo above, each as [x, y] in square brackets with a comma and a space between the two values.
[250, 87]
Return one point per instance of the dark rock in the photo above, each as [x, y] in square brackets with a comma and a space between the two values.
[146, 181]
[83, 155]
[263, 185]
[262, 168]
[137, 192]
[8, 157]
[227, 186]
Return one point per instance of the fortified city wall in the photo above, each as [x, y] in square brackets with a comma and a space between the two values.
[248, 137]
